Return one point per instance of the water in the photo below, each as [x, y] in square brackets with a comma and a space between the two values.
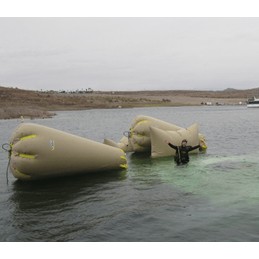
[214, 198]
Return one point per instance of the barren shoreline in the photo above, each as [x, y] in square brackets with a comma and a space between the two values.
[15, 102]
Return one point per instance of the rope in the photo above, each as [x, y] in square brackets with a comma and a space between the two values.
[126, 134]
[7, 147]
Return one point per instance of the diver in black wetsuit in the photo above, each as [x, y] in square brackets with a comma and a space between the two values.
[182, 156]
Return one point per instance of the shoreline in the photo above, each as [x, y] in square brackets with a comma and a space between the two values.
[15, 102]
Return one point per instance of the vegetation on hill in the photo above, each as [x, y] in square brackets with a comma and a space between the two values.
[16, 102]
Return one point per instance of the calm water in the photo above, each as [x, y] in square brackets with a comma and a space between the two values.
[214, 198]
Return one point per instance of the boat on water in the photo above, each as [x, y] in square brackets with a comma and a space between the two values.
[253, 102]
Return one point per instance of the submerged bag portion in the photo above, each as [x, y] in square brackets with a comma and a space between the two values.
[123, 144]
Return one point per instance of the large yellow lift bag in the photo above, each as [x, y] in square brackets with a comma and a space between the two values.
[41, 152]
[139, 136]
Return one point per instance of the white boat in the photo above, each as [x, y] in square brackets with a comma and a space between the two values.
[253, 103]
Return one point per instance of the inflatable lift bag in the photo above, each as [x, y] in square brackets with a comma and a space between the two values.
[39, 152]
[160, 148]
[140, 132]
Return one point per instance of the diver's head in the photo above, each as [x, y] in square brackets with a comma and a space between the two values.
[184, 142]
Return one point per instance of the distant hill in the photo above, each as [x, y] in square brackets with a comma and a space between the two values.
[15, 102]
[230, 90]
[245, 92]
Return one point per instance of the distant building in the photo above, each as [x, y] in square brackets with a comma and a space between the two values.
[206, 103]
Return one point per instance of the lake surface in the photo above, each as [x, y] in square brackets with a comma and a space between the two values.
[214, 198]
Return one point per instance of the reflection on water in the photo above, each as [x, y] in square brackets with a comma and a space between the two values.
[46, 207]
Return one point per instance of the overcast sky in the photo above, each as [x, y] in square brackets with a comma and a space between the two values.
[129, 53]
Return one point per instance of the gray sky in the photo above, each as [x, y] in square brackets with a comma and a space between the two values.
[129, 53]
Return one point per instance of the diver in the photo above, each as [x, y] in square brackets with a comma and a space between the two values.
[182, 156]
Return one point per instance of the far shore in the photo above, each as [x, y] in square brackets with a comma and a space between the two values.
[15, 102]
